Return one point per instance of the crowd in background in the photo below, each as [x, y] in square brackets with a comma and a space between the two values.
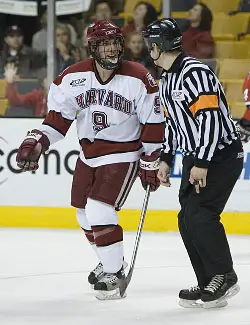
[21, 61]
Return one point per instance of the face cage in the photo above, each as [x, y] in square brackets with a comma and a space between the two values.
[105, 63]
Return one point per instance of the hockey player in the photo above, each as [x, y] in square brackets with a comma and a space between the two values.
[119, 123]
[199, 124]
[244, 122]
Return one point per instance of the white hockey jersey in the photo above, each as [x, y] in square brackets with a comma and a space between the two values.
[116, 120]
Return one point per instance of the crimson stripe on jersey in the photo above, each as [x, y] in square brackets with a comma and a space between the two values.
[57, 122]
[127, 68]
[137, 70]
[100, 147]
[153, 132]
[82, 66]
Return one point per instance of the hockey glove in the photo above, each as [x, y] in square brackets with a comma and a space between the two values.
[244, 130]
[29, 152]
[149, 166]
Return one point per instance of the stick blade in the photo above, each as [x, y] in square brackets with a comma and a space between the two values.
[125, 283]
[123, 287]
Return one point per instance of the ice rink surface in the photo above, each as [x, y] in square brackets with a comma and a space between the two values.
[43, 280]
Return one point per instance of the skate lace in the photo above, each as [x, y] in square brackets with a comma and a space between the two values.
[98, 269]
[109, 278]
[195, 288]
[215, 283]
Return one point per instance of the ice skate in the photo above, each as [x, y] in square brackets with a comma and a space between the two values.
[108, 286]
[190, 298]
[97, 273]
[219, 289]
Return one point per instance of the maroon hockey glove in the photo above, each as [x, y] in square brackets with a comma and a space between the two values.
[244, 130]
[31, 149]
[149, 166]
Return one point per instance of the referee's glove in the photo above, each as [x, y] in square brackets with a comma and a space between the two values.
[148, 169]
[243, 127]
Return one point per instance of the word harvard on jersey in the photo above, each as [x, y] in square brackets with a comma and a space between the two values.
[100, 97]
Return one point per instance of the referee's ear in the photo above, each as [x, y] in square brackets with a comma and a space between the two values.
[155, 52]
[155, 47]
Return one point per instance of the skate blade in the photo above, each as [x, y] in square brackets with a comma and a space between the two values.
[215, 304]
[232, 291]
[223, 300]
[110, 295]
[190, 304]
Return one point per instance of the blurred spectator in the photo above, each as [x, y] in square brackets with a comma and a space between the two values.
[14, 51]
[243, 124]
[136, 51]
[197, 39]
[66, 54]
[246, 92]
[39, 39]
[77, 21]
[144, 14]
[102, 10]
[35, 100]
[82, 44]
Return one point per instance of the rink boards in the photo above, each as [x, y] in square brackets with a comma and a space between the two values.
[42, 199]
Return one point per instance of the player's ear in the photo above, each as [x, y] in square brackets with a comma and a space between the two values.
[155, 47]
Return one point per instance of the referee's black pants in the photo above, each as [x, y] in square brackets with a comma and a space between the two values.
[199, 219]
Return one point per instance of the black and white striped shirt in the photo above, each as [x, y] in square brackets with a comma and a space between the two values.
[197, 115]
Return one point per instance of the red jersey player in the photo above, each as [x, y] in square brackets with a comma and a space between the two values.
[244, 123]
[120, 125]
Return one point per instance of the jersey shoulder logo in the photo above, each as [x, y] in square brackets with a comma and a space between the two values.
[178, 95]
[77, 82]
[151, 80]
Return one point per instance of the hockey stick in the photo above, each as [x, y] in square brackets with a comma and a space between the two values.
[127, 280]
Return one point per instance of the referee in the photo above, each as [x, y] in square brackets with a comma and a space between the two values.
[199, 124]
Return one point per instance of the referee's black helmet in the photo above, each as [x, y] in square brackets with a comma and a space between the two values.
[165, 33]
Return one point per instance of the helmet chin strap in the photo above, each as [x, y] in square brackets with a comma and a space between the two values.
[158, 56]
[151, 49]
[157, 59]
